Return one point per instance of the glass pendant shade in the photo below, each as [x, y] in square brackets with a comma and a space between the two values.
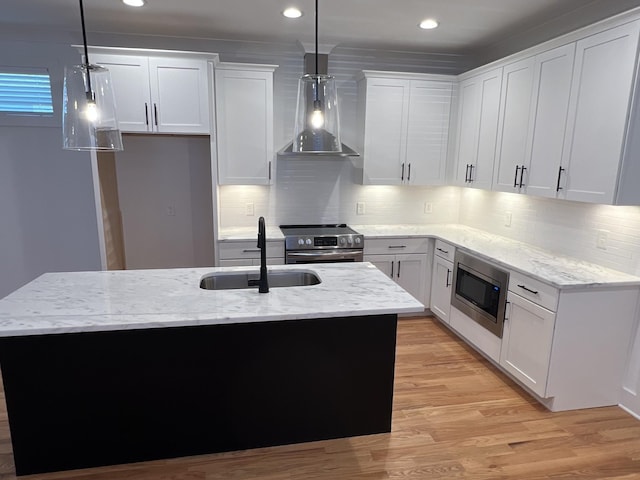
[89, 120]
[317, 127]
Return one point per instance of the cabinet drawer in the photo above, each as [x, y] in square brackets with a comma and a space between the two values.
[538, 292]
[445, 250]
[394, 246]
[248, 249]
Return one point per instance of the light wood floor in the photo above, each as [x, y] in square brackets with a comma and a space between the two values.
[454, 416]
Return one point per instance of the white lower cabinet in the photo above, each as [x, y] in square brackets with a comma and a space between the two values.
[246, 253]
[526, 342]
[409, 270]
[441, 278]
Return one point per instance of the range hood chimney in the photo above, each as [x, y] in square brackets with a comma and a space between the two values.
[317, 128]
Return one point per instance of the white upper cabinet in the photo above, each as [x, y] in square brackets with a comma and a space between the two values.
[478, 111]
[515, 103]
[533, 118]
[551, 90]
[601, 91]
[405, 126]
[244, 120]
[158, 93]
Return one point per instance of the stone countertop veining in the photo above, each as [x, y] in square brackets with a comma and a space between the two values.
[557, 270]
[236, 234]
[57, 303]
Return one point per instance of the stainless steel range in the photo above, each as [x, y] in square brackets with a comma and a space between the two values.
[321, 243]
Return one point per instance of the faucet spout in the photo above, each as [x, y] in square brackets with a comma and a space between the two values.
[263, 283]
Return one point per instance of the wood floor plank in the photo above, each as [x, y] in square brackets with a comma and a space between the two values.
[455, 416]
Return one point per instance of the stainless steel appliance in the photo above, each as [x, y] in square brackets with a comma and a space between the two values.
[321, 243]
[480, 291]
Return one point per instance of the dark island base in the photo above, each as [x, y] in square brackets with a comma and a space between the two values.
[92, 399]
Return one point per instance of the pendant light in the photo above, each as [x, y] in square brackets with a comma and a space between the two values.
[89, 120]
[317, 127]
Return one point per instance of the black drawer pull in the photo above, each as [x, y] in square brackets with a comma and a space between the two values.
[535, 292]
[251, 250]
[446, 252]
[397, 246]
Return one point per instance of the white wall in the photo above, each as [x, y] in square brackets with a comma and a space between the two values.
[47, 211]
[164, 188]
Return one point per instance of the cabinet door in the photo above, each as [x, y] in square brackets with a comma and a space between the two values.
[598, 109]
[526, 342]
[478, 128]
[244, 118]
[385, 137]
[428, 132]
[515, 106]
[442, 276]
[411, 274]
[469, 96]
[551, 90]
[385, 263]
[130, 78]
[180, 95]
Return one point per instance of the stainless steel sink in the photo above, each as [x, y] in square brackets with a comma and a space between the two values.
[277, 278]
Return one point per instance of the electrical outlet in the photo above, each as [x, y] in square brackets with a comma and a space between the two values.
[507, 219]
[428, 207]
[171, 211]
[360, 209]
[602, 239]
[249, 210]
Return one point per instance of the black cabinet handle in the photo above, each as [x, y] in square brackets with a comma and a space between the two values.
[522, 170]
[515, 178]
[146, 113]
[398, 269]
[155, 113]
[402, 175]
[392, 269]
[471, 166]
[446, 283]
[269, 169]
[409, 174]
[558, 187]
[466, 174]
[535, 292]
[446, 252]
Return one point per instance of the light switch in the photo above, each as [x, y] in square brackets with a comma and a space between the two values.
[360, 209]
[249, 210]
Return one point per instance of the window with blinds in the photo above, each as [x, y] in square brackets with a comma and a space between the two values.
[25, 92]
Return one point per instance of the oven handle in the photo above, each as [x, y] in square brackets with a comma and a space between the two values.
[325, 255]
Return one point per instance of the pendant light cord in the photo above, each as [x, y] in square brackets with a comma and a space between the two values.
[317, 99]
[86, 52]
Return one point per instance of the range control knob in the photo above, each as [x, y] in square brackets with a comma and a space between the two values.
[342, 240]
[358, 241]
[300, 241]
[308, 242]
[350, 240]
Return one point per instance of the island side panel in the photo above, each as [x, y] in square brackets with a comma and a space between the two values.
[90, 399]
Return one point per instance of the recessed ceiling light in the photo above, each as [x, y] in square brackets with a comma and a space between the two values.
[134, 3]
[428, 24]
[292, 13]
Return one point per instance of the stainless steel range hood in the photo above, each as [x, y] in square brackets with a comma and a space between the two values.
[314, 90]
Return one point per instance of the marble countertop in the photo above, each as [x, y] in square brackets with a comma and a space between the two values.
[556, 270]
[236, 234]
[57, 303]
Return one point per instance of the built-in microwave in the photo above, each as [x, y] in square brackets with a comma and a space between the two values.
[480, 291]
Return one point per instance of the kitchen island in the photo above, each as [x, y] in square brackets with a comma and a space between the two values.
[104, 368]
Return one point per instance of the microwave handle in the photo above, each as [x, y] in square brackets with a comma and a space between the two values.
[507, 307]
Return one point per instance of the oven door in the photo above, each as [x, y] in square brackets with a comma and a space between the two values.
[323, 256]
[480, 291]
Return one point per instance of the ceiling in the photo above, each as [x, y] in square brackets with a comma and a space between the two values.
[376, 24]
